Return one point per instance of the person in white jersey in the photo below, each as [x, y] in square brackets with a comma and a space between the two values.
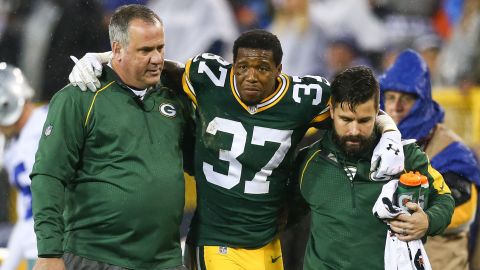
[21, 122]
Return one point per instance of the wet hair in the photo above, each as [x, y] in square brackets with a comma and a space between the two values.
[355, 86]
[259, 39]
[121, 18]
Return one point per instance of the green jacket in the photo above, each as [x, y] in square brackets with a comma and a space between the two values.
[344, 232]
[108, 180]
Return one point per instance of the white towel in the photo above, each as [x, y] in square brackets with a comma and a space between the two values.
[399, 255]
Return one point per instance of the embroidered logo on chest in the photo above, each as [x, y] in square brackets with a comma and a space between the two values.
[167, 110]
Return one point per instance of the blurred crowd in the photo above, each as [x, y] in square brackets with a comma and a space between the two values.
[318, 36]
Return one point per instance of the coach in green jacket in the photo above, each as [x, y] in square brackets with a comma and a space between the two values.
[107, 184]
[335, 181]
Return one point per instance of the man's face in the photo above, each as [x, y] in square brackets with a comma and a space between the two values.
[398, 104]
[353, 130]
[256, 74]
[140, 63]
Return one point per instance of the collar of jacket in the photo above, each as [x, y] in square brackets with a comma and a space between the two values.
[146, 104]
[110, 75]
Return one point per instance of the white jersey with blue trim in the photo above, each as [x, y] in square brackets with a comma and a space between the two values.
[19, 157]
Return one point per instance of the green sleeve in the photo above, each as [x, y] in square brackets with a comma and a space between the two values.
[48, 200]
[56, 162]
[439, 213]
[440, 203]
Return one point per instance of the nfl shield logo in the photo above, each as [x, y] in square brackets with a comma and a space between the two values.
[48, 130]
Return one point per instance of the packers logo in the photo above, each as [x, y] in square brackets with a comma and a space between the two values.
[168, 110]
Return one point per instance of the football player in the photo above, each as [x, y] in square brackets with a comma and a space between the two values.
[21, 122]
[250, 118]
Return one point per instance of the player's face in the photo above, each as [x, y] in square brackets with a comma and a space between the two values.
[140, 63]
[353, 130]
[256, 74]
[398, 104]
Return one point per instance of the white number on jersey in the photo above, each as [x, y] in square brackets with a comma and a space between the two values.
[307, 89]
[203, 68]
[259, 183]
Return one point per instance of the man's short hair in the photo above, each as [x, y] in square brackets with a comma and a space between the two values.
[121, 18]
[259, 39]
[355, 86]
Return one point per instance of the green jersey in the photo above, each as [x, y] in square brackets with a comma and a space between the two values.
[111, 164]
[344, 234]
[245, 153]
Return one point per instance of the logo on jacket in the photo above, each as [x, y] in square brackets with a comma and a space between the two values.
[168, 110]
[48, 130]
[380, 179]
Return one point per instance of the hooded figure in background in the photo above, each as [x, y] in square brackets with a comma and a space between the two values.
[406, 95]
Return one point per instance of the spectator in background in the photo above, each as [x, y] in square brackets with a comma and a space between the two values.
[293, 26]
[68, 27]
[429, 47]
[252, 14]
[196, 26]
[456, 61]
[350, 16]
[407, 98]
[406, 20]
[21, 122]
[13, 14]
[343, 52]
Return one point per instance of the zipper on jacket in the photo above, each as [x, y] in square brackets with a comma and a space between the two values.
[352, 189]
[350, 177]
[148, 127]
[144, 112]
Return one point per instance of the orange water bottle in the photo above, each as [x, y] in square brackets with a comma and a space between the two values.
[408, 189]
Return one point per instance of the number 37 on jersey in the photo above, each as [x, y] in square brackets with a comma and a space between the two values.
[249, 148]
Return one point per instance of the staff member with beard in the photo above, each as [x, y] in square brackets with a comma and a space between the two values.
[335, 181]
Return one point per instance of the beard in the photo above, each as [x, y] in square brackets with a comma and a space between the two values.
[364, 144]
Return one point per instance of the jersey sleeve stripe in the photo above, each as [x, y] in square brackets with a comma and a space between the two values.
[438, 181]
[306, 165]
[325, 114]
[93, 101]
[187, 85]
